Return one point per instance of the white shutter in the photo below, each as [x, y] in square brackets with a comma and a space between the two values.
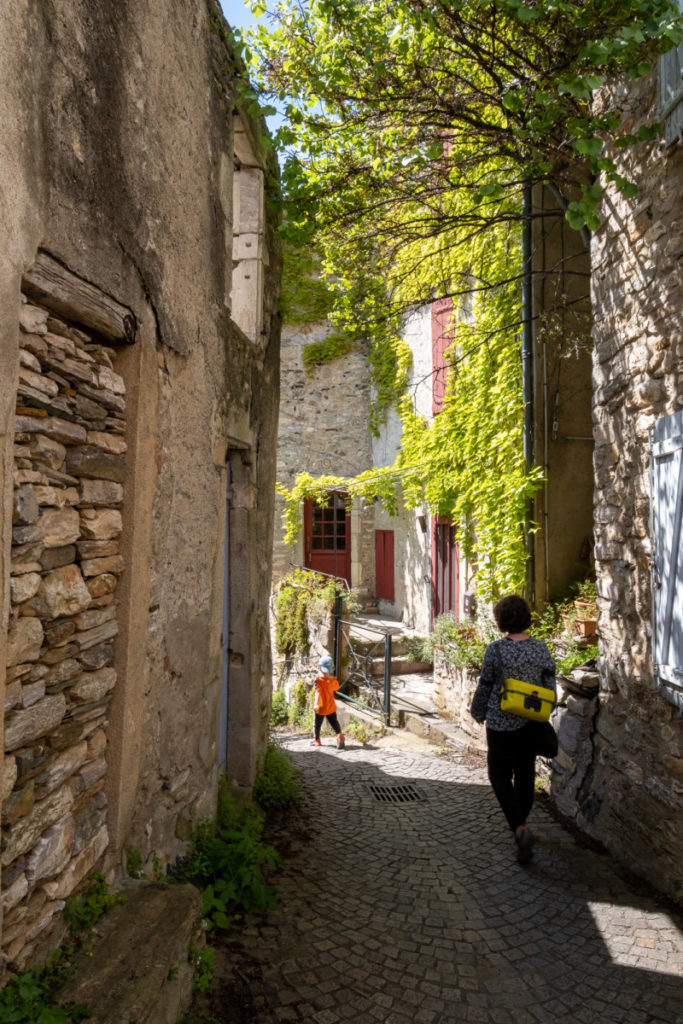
[666, 474]
[671, 91]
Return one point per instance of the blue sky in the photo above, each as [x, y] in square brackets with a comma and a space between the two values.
[237, 13]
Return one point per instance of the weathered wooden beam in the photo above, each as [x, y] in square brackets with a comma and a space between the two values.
[53, 286]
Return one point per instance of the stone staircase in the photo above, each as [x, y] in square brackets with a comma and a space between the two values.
[411, 679]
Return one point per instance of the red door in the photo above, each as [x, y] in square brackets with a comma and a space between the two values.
[445, 565]
[327, 537]
[384, 564]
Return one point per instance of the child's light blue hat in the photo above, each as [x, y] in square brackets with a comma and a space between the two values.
[326, 664]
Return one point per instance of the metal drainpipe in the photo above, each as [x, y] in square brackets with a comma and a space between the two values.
[528, 379]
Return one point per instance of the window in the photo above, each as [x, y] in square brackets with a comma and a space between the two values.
[670, 108]
[666, 476]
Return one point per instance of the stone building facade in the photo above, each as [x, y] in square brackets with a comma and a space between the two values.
[138, 412]
[632, 794]
[324, 429]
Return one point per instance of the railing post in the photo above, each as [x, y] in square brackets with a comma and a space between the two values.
[387, 679]
[338, 611]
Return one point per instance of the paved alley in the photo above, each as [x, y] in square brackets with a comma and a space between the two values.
[401, 903]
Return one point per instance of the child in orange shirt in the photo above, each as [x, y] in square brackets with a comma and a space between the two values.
[325, 706]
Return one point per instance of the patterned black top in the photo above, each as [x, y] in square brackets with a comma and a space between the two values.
[529, 660]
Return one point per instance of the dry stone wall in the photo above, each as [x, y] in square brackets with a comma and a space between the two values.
[631, 796]
[69, 466]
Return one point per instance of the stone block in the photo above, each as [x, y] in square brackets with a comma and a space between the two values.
[22, 836]
[93, 463]
[92, 637]
[32, 320]
[13, 694]
[56, 496]
[29, 762]
[57, 633]
[55, 558]
[31, 693]
[88, 549]
[9, 777]
[100, 524]
[108, 442]
[25, 726]
[25, 509]
[110, 381]
[52, 426]
[97, 657]
[23, 588]
[60, 526]
[61, 768]
[51, 853]
[97, 743]
[14, 893]
[97, 566]
[92, 618]
[62, 592]
[55, 655]
[93, 686]
[101, 492]
[24, 640]
[19, 803]
[99, 586]
[87, 409]
[93, 772]
[113, 402]
[30, 534]
[48, 450]
[78, 868]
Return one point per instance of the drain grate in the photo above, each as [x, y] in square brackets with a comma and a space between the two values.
[403, 794]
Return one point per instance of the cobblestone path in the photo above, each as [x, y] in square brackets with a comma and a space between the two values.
[415, 911]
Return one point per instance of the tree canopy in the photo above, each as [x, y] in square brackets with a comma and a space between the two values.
[416, 121]
[411, 128]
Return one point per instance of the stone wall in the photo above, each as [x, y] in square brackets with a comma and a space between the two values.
[633, 794]
[69, 467]
[138, 415]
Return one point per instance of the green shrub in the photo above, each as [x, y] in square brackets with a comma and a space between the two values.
[83, 911]
[300, 709]
[278, 709]
[227, 860]
[204, 963]
[278, 786]
[461, 642]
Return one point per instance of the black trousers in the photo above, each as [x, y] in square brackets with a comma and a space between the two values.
[512, 771]
[318, 723]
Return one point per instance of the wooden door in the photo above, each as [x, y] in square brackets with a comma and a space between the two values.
[327, 537]
[384, 564]
[445, 567]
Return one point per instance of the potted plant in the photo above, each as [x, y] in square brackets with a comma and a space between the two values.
[586, 607]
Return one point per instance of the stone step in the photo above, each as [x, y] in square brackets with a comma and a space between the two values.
[137, 965]
[400, 667]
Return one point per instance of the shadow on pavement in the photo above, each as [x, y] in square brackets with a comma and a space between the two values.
[401, 901]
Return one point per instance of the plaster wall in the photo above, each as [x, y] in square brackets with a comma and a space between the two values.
[118, 158]
[563, 437]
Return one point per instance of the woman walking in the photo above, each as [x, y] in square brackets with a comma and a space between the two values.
[512, 740]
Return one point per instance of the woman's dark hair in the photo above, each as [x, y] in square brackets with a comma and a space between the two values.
[512, 614]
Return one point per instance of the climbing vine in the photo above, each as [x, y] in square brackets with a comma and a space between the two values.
[301, 599]
[468, 463]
